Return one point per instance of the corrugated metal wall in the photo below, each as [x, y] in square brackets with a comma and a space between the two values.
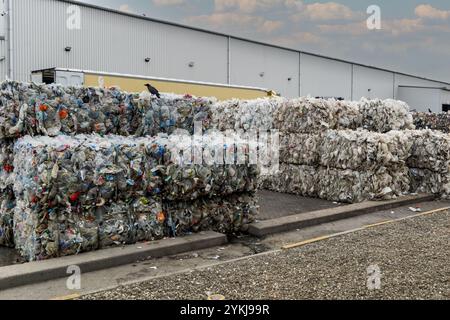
[445, 97]
[325, 77]
[372, 83]
[3, 64]
[3, 45]
[403, 80]
[264, 66]
[421, 99]
[113, 42]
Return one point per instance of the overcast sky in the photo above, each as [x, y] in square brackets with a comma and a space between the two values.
[414, 35]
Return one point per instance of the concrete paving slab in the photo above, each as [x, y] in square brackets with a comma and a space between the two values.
[308, 219]
[275, 205]
[8, 256]
[40, 271]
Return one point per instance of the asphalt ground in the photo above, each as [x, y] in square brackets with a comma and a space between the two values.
[408, 259]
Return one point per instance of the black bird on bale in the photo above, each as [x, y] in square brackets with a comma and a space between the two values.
[153, 90]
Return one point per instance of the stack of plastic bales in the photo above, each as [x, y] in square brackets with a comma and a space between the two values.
[220, 193]
[80, 193]
[343, 165]
[324, 155]
[99, 167]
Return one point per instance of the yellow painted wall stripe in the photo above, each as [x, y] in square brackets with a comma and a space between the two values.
[200, 90]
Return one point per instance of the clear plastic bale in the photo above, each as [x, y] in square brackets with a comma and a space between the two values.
[116, 225]
[7, 205]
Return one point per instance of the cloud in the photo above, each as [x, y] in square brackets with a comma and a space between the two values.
[270, 26]
[227, 19]
[125, 8]
[325, 11]
[164, 3]
[429, 12]
[353, 29]
[403, 26]
[251, 6]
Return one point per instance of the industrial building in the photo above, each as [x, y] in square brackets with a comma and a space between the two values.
[37, 34]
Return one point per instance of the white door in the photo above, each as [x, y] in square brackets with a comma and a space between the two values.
[69, 78]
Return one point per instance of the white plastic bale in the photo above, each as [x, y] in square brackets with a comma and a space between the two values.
[300, 149]
[310, 115]
[385, 115]
[430, 150]
[338, 184]
[354, 186]
[245, 115]
[363, 150]
[58, 112]
[307, 115]
[341, 185]
[294, 179]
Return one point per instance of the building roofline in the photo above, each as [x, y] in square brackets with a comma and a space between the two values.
[133, 15]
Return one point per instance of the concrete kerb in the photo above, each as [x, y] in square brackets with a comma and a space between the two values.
[40, 271]
[303, 220]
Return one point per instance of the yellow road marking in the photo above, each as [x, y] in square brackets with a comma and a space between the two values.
[68, 297]
[378, 224]
[305, 242]
[290, 246]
